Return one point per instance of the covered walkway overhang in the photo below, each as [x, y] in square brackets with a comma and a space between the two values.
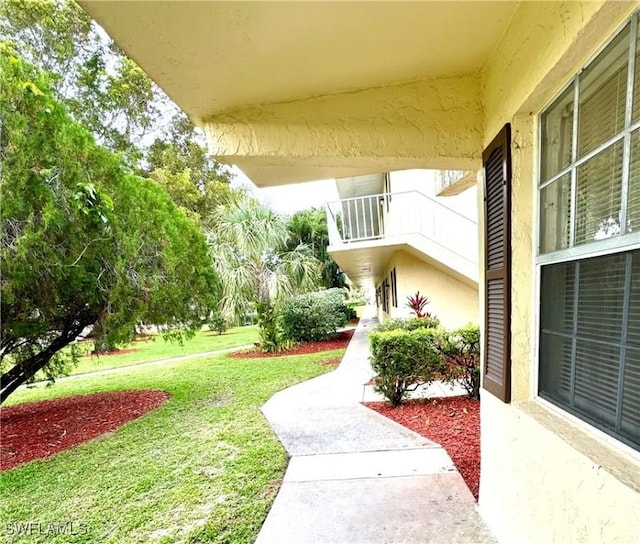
[424, 124]
[296, 91]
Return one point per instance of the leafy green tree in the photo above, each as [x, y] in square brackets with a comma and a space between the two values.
[103, 89]
[309, 227]
[183, 148]
[82, 240]
[110, 95]
[256, 268]
[181, 164]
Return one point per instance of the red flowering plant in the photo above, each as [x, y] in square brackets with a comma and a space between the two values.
[417, 303]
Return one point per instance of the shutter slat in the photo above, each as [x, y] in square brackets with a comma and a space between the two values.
[497, 190]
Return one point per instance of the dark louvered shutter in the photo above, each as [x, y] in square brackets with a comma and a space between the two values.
[496, 160]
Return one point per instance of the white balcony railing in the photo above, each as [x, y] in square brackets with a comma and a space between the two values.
[383, 216]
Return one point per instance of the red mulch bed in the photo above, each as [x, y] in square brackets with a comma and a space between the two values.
[452, 422]
[340, 342]
[37, 430]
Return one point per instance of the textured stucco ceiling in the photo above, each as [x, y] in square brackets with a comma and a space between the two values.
[213, 57]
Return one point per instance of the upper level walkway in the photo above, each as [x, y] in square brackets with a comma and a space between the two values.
[367, 228]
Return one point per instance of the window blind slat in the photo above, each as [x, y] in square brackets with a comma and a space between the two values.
[636, 85]
[599, 195]
[633, 331]
[556, 125]
[601, 298]
[585, 379]
[603, 89]
[633, 200]
[631, 394]
[558, 284]
[555, 358]
[555, 215]
[596, 380]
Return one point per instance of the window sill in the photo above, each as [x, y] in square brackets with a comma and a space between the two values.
[617, 459]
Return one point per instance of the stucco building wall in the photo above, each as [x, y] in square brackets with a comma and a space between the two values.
[421, 124]
[538, 487]
[546, 476]
[454, 302]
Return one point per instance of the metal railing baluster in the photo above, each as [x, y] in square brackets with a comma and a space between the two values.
[409, 212]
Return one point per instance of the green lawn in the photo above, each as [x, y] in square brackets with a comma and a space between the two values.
[204, 467]
[153, 350]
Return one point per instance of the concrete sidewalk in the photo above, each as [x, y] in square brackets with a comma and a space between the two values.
[166, 360]
[358, 477]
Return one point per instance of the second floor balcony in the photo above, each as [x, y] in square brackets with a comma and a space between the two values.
[363, 230]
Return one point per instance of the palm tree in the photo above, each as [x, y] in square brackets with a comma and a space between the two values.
[249, 245]
[309, 227]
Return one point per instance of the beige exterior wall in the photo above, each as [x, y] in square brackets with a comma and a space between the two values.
[453, 302]
[546, 477]
[537, 487]
[545, 44]
[425, 181]
[367, 131]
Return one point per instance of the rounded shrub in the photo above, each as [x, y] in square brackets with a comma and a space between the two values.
[217, 322]
[405, 359]
[461, 349]
[311, 317]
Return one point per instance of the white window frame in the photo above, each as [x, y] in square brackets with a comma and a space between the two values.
[625, 241]
[620, 243]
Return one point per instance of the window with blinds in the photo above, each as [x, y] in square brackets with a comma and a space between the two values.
[590, 340]
[589, 242]
[394, 287]
[590, 155]
[384, 292]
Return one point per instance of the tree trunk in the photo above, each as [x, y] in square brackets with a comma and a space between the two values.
[270, 340]
[21, 372]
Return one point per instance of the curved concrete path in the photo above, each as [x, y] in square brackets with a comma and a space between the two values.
[357, 477]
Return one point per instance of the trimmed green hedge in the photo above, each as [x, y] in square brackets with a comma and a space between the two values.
[409, 323]
[407, 353]
[314, 316]
[405, 359]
